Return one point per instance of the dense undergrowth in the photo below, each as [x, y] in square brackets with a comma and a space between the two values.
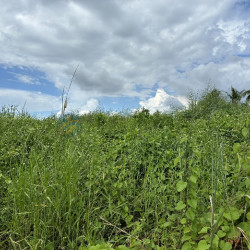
[161, 181]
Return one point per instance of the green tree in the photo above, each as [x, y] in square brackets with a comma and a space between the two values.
[247, 94]
[209, 102]
[236, 95]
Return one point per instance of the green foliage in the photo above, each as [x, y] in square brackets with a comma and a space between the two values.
[236, 96]
[127, 182]
[211, 101]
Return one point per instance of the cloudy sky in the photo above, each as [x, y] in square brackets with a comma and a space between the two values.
[130, 53]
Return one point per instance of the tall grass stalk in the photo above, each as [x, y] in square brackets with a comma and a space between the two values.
[65, 97]
[142, 181]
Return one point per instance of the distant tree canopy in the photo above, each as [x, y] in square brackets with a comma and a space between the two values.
[213, 99]
[236, 95]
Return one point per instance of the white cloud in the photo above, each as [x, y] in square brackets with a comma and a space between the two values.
[26, 79]
[234, 71]
[33, 101]
[163, 102]
[125, 47]
[235, 33]
[90, 106]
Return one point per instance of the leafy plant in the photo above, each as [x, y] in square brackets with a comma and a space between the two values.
[161, 181]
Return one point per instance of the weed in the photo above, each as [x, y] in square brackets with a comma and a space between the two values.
[162, 181]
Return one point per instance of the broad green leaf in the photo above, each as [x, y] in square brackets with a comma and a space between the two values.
[193, 178]
[166, 224]
[221, 234]
[180, 205]
[197, 153]
[195, 226]
[183, 221]
[146, 241]
[8, 181]
[126, 208]
[193, 193]
[246, 167]
[236, 147]
[192, 203]
[190, 214]
[232, 213]
[185, 237]
[225, 245]
[225, 228]
[216, 241]
[135, 243]
[247, 183]
[248, 122]
[101, 247]
[248, 216]
[186, 230]
[122, 247]
[203, 230]
[181, 185]
[203, 245]
[177, 160]
[187, 246]
[195, 170]
[233, 232]
[245, 132]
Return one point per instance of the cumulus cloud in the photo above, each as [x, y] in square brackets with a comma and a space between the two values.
[33, 101]
[124, 47]
[233, 71]
[90, 106]
[235, 33]
[164, 102]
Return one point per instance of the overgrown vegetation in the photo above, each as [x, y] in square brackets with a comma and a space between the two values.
[161, 181]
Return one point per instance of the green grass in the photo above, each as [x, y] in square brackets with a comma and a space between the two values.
[139, 182]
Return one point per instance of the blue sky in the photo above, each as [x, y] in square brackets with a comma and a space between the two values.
[130, 53]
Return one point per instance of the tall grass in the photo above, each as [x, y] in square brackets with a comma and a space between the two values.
[141, 181]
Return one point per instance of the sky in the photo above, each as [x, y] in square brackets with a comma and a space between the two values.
[131, 54]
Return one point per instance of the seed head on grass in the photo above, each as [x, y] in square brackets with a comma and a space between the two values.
[65, 103]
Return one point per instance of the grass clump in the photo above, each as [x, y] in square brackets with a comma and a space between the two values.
[161, 181]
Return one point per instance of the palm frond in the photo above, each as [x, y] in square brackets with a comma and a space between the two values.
[248, 99]
[235, 95]
[246, 92]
